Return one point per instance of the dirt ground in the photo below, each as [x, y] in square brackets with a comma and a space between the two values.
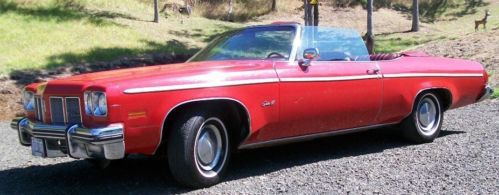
[10, 99]
[387, 20]
[481, 46]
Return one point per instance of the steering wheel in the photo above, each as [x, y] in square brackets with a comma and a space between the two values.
[275, 55]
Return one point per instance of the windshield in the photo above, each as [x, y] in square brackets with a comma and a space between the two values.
[334, 44]
[274, 42]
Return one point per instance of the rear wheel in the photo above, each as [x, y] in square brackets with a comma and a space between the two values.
[425, 121]
[198, 148]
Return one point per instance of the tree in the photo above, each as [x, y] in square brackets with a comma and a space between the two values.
[229, 13]
[311, 8]
[274, 5]
[315, 8]
[370, 35]
[156, 11]
[306, 9]
[415, 16]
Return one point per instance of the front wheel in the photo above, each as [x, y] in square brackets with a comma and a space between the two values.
[425, 121]
[198, 149]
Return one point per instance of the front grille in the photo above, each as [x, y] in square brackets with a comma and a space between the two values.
[39, 111]
[65, 110]
[57, 109]
[73, 110]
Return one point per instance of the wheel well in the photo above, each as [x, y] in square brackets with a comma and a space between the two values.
[235, 113]
[444, 95]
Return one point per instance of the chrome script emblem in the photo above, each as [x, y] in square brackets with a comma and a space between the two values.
[268, 103]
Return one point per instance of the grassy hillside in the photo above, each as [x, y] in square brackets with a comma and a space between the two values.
[454, 22]
[50, 33]
[43, 39]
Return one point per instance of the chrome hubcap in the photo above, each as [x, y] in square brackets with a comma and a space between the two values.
[210, 147]
[428, 116]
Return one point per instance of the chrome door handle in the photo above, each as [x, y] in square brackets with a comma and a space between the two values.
[373, 71]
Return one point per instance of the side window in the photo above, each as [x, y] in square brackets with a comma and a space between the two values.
[334, 44]
[251, 43]
[274, 42]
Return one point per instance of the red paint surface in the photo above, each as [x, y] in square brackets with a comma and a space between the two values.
[300, 107]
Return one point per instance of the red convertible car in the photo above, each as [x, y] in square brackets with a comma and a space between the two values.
[252, 87]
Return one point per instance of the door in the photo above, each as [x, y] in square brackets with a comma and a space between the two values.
[326, 96]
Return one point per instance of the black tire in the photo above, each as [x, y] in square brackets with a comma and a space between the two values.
[193, 154]
[419, 127]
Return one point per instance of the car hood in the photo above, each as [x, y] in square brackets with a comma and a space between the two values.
[164, 75]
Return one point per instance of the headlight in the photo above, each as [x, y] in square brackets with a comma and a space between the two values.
[102, 104]
[29, 100]
[95, 103]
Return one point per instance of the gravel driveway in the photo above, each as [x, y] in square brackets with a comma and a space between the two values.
[463, 160]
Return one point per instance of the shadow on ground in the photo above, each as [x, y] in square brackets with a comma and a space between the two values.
[202, 35]
[146, 175]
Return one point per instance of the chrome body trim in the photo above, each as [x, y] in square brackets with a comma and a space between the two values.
[200, 100]
[426, 89]
[200, 85]
[288, 140]
[488, 91]
[423, 90]
[23, 134]
[296, 44]
[106, 142]
[338, 78]
[399, 75]
[297, 79]
[39, 108]
[15, 122]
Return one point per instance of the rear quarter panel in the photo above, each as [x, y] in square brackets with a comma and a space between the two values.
[404, 78]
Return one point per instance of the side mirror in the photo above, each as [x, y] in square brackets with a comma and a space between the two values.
[309, 55]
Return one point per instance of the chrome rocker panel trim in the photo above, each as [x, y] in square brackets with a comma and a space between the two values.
[79, 142]
[309, 137]
[488, 91]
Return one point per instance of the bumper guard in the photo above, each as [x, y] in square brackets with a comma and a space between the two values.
[488, 91]
[75, 141]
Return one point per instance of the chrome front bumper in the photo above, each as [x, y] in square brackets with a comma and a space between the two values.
[74, 141]
[488, 91]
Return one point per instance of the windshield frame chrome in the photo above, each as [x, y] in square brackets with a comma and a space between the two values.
[296, 44]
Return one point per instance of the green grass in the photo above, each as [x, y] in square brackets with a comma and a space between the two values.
[395, 43]
[496, 93]
[51, 33]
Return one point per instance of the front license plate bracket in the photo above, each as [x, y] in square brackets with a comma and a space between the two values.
[38, 147]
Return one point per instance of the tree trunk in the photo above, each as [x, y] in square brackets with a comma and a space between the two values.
[370, 34]
[229, 13]
[156, 11]
[274, 5]
[316, 14]
[415, 16]
[308, 15]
